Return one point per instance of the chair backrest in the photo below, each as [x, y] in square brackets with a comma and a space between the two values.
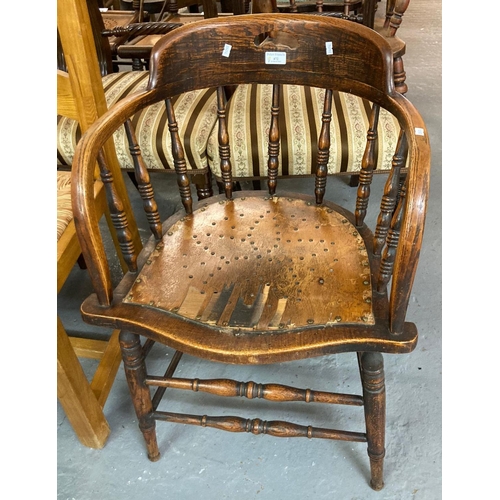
[84, 82]
[345, 7]
[394, 11]
[303, 50]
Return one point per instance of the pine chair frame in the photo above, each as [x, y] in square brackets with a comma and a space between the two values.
[80, 97]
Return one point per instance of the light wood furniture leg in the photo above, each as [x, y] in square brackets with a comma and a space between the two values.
[76, 396]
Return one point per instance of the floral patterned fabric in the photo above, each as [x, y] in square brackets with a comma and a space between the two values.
[248, 117]
[64, 210]
[195, 112]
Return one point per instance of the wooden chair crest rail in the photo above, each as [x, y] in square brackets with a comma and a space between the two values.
[260, 277]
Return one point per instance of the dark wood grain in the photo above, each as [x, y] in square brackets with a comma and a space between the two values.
[263, 277]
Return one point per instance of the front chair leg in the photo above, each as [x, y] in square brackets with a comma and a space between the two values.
[135, 370]
[372, 377]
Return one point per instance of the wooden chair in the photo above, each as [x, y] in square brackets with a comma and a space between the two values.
[196, 111]
[350, 119]
[363, 12]
[394, 12]
[264, 277]
[80, 99]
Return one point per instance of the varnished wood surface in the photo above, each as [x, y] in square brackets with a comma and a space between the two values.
[80, 96]
[203, 282]
[85, 79]
[76, 397]
[260, 263]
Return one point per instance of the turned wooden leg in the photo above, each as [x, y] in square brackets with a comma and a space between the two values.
[256, 185]
[203, 184]
[400, 76]
[137, 64]
[135, 370]
[372, 377]
[236, 187]
[354, 180]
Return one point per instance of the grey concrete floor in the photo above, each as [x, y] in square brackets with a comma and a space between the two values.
[209, 464]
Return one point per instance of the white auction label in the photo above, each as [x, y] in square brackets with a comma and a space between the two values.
[275, 57]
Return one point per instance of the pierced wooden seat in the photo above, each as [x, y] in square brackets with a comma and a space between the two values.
[262, 264]
[263, 276]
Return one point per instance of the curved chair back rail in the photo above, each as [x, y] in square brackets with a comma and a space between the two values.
[365, 62]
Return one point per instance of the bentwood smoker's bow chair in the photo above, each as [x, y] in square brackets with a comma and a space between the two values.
[264, 277]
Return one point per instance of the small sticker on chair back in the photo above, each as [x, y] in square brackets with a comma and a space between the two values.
[419, 131]
[275, 57]
[227, 50]
[329, 48]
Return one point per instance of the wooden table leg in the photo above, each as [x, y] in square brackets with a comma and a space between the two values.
[76, 397]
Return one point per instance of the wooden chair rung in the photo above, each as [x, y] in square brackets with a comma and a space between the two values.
[276, 428]
[76, 397]
[109, 355]
[251, 390]
[169, 373]
[88, 348]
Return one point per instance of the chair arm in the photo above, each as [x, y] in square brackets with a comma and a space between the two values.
[411, 234]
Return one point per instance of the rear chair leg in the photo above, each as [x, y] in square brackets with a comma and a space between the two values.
[372, 377]
[135, 370]
[203, 184]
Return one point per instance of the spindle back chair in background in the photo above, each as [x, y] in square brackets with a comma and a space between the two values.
[246, 114]
[386, 23]
[196, 111]
[271, 276]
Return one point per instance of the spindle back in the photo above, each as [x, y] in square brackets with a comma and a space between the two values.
[272, 49]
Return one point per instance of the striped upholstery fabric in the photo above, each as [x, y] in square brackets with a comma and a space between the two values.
[249, 119]
[196, 114]
[64, 210]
